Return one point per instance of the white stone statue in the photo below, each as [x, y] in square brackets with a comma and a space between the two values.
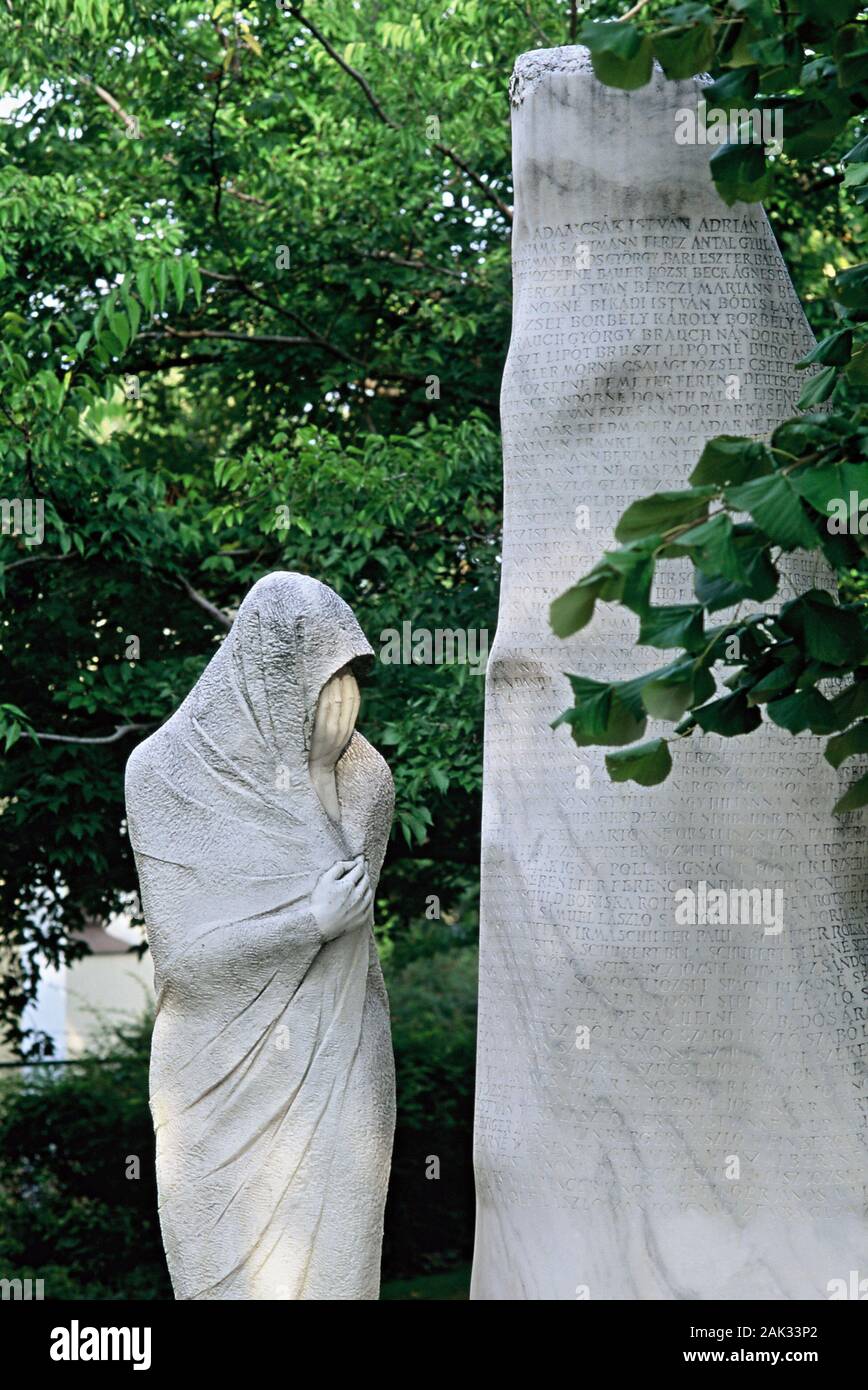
[664, 1110]
[259, 821]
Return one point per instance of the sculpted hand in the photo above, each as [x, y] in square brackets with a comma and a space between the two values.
[343, 898]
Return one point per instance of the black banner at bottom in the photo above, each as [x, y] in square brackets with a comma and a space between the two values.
[82, 1339]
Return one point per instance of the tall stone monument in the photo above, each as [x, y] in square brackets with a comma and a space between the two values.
[663, 1111]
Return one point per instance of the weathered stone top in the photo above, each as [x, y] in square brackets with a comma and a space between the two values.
[533, 65]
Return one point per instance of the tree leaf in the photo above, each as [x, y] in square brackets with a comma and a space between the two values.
[827, 632]
[679, 625]
[573, 610]
[161, 282]
[646, 763]
[669, 693]
[852, 703]
[805, 709]
[731, 458]
[833, 484]
[854, 797]
[851, 287]
[195, 278]
[819, 388]
[777, 511]
[603, 713]
[741, 174]
[176, 267]
[145, 287]
[662, 511]
[729, 716]
[857, 370]
[620, 55]
[621, 576]
[832, 351]
[733, 89]
[851, 55]
[685, 50]
[847, 745]
[778, 680]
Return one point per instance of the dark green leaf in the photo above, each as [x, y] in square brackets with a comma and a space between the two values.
[775, 683]
[805, 709]
[731, 459]
[741, 174]
[647, 763]
[819, 388]
[620, 55]
[856, 796]
[847, 745]
[679, 625]
[852, 703]
[573, 610]
[729, 716]
[832, 351]
[776, 510]
[685, 50]
[851, 55]
[671, 692]
[733, 89]
[851, 287]
[610, 714]
[857, 371]
[827, 632]
[662, 511]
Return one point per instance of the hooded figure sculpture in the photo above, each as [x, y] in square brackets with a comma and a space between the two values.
[259, 822]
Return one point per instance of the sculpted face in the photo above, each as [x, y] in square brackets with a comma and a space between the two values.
[336, 713]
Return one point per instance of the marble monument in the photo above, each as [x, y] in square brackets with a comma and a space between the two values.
[663, 1111]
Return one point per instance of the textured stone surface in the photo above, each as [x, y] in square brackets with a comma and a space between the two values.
[607, 1171]
[272, 1079]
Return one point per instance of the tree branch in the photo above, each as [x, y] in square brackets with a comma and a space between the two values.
[130, 122]
[634, 11]
[190, 359]
[121, 730]
[311, 340]
[350, 71]
[111, 102]
[394, 259]
[38, 559]
[313, 336]
[474, 178]
[542, 33]
[210, 608]
[244, 197]
[377, 108]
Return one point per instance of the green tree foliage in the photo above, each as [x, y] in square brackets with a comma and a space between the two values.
[254, 296]
[78, 1198]
[431, 1205]
[805, 667]
[254, 293]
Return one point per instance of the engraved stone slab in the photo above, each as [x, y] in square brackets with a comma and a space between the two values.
[663, 1110]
